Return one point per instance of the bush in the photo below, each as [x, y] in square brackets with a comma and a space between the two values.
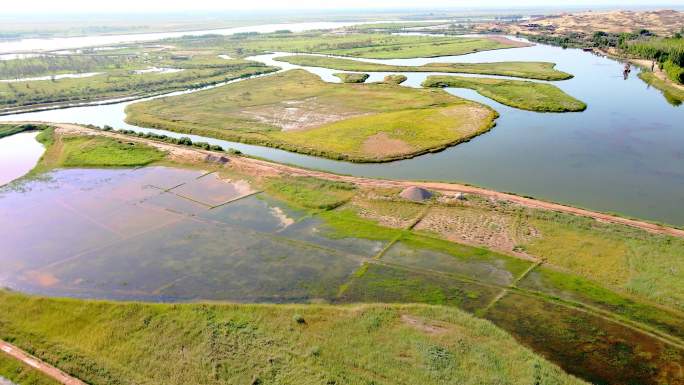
[298, 319]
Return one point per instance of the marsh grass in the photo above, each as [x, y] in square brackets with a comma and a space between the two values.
[526, 95]
[674, 95]
[352, 77]
[530, 70]
[93, 151]
[354, 122]
[134, 343]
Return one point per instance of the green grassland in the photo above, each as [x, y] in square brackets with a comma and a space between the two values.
[93, 151]
[22, 374]
[525, 95]
[363, 45]
[297, 111]
[119, 83]
[673, 94]
[347, 77]
[134, 343]
[530, 70]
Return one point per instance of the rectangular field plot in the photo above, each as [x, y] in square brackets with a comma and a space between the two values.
[258, 212]
[574, 288]
[318, 231]
[443, 256]
[196, 260]
[211, 190]
[399, 285]
[167, 177]
[173, 203]
[592, 347]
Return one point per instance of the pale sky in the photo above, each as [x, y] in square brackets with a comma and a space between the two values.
[68, 6]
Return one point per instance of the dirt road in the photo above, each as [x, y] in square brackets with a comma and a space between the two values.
[39, 365]
[270, 168]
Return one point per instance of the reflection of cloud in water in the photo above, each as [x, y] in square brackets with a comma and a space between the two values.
[278, 213]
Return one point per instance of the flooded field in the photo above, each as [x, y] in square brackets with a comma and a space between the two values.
[171, 234]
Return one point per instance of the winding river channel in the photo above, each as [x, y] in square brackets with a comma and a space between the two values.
[624, 154]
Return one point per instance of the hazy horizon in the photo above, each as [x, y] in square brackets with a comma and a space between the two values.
[270, 6]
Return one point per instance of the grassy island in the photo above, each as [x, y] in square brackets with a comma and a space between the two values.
[297, 111]
[530, 70]
[347, 77]
[526, 95]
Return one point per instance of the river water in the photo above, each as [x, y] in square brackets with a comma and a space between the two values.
[623, 154]
[19, 153]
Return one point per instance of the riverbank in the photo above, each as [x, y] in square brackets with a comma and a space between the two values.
[651, 74]
[184, 154]
[363, 123]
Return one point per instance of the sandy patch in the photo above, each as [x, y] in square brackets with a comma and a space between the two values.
[423, 325]
[42, 279]
[505, 40]
[381, 145]
[293, 115]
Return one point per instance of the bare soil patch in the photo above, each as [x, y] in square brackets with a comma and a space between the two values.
[423, 325]
[293, 115]
[382, 145]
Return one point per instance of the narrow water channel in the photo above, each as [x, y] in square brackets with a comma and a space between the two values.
[623, 154]
[19, 153]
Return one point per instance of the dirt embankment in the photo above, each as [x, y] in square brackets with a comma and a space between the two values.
[262, 167]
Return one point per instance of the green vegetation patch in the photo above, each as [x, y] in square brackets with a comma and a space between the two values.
[364, 45]
[589, 346]
[530, 70]
[22, 374]
[444, 256]
[575, 288]
[674, 95]
[134, 343]
[309, 192]
[394, 79]
[119, 83]
[629, 259]
[525, 95]
[396, 284]
[95, 151]
[348, 77]
[11, 129]
[297, 111]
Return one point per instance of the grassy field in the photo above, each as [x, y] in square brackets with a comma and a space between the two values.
[673, 94]
[363, 45]
[299, 112]
[117, 84]
[85, 151]
[530, 70]
[525, 95]
[133, 343]
[352, 77]
[22, 374]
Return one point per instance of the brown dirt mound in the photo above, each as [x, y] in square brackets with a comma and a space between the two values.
[415, 194]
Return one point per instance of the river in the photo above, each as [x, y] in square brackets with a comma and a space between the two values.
[624, 154]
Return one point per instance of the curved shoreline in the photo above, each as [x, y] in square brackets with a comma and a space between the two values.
[264, 166]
